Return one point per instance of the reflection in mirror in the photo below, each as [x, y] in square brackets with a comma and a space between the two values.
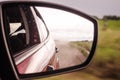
[45, 39]
[72, 33]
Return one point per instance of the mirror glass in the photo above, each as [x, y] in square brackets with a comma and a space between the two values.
[73, 35]
[45, 39]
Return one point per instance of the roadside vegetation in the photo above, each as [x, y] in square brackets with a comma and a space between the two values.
[83, 46]
[106, 62]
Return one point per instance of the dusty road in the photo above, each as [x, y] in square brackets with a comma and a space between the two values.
[69, 55]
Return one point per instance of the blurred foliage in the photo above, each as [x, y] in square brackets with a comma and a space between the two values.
[111, 17]
[106, 60]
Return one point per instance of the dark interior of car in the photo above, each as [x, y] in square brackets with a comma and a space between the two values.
[17, 42]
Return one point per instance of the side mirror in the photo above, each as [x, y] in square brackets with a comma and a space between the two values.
[45, 39]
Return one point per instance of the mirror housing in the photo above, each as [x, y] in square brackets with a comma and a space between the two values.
[63, 70]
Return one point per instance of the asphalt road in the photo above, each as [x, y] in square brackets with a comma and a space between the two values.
[68, 55]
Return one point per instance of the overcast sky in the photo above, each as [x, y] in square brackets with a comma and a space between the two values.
[66, 26]
[98, 8]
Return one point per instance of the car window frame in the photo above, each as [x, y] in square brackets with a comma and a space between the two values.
[25, 52]
[45, 26]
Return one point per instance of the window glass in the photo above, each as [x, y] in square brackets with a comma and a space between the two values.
[21, 29]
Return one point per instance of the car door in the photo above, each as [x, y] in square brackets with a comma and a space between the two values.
[27, 40]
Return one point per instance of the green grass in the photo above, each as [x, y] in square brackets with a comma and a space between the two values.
[106, 62]
[109, 42]
[111, 24]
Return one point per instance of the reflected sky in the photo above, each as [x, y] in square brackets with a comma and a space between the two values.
[67, 26]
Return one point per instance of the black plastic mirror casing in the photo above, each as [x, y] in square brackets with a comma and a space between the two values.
[60, 71]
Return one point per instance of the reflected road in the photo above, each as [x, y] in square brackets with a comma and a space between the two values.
[68, 55]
